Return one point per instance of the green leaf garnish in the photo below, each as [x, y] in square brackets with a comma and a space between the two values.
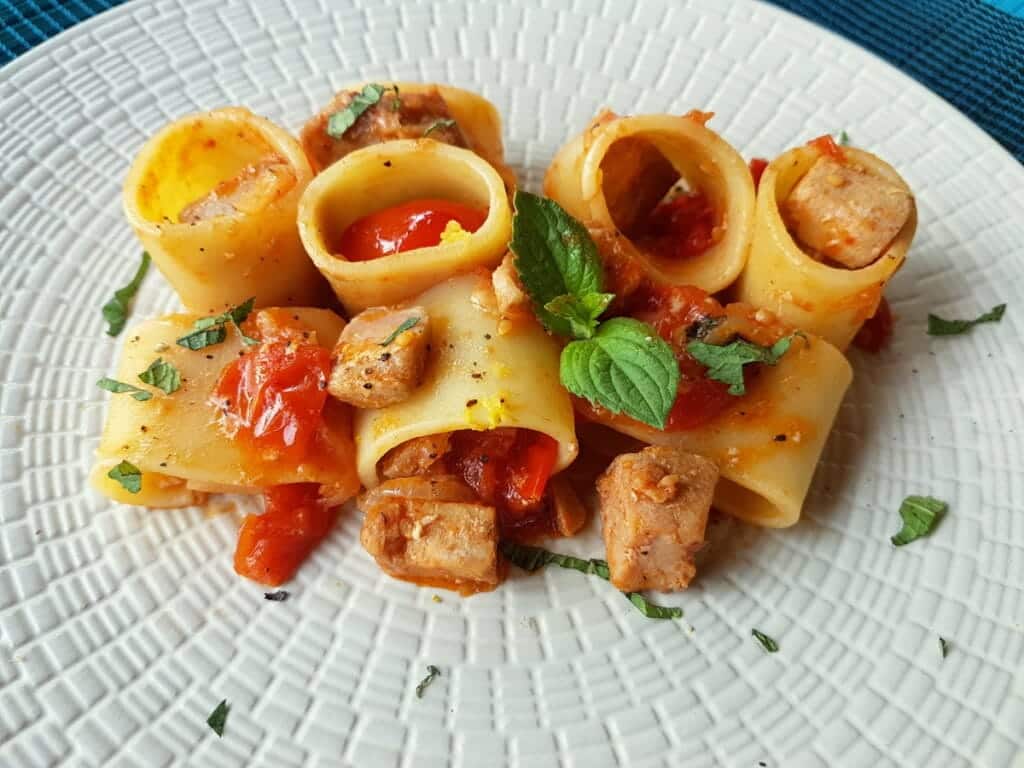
[219, 717]
[626, 367]
[844, 139]
[345, 118]
[207, 331]
[767, 643]
[115, 311]
[943, 646]
[405, 325]
[432, 672]
[581, 312]
[920, 514]
[533, 558]
[162, 375]
[128, 475]
[443, 122]
[119, 387]
[938, 326]
[725, 362]
[396, 103]
[555, 256]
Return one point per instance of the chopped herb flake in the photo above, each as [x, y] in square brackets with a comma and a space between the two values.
[405, 325]
[128, 475]
[277, 597]
[219, 717]
[725, 363]
[943, 646]
[920, 514]
[115, 311]
[162, 375]
[844, 139]
[766, 642]
[207, 331]
[432, 672]
[439, 124]
[341, 121]
[119, 387]
[938, 326]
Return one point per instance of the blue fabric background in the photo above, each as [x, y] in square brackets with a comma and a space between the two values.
[971, 52]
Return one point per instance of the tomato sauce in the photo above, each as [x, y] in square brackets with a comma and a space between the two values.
[757, 166]
[876, 333]
[509, 468]
[680, 228]
[406, 227]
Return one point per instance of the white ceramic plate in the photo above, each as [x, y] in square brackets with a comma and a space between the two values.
[121, 629]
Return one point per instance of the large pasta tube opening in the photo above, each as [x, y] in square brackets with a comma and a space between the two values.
[677, 196]
[213, 198]
[385, 175]
[810, 288]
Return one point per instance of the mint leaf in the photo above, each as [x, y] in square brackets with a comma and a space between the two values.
[119, 387]
[627, 368]
[769, 645]
[554, 256]
[443, 122]
[345, 118]
[115, 311]
[580, 312]
[938, 326]
[725, 363]
[208, 331]
[405, 325]
[920, 514]
[162, 375]
[533, 558]
[432, 672]
[128, 475]
[219, 717]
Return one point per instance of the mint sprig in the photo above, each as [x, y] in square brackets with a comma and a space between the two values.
[620, 364]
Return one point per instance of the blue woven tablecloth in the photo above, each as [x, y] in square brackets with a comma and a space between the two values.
[971, 52]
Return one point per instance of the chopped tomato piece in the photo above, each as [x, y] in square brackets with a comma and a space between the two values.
[757, 166]
[680, 228]
[405, 227]
[828, 147]
[272, 546]
[528, 470]
[273, 397]
[876, 333]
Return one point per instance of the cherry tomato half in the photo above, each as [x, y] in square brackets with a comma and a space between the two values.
[405, 227]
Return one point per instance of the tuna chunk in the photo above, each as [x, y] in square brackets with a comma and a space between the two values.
[846, 214]
[508, 290]
[431, 530]
[418, 456]
[415, 114]
[654, 507]
[372, 369]
[254, 188]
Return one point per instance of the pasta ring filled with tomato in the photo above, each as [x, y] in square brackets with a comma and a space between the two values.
[213, 197]
[833, 225]
[667, 200]
[388, 188]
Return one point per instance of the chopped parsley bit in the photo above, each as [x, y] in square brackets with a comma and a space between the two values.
[207, 331]
[432, 672]
[128, 475]
[533, 558]
[219, 717]
[920, 514]
[119, 387]
[938, 326]
[115, 311]
[943, 646]
[276, 597]
[162, 375]
[725, 362]
[844, 139]
[439, 124]
[766, 642]
[342, 120]
[409, 322]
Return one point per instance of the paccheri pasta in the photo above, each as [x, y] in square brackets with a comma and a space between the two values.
[650, 293]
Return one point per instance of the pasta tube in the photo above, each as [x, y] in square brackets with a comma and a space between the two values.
[213, 198]
[476, 378]
[384, 175]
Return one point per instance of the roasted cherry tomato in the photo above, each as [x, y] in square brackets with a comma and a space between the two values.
[273, 397]
[680, 228]
[757, 166]
[273, 545]
[405, 227]
[876, 333]
[828, 147]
